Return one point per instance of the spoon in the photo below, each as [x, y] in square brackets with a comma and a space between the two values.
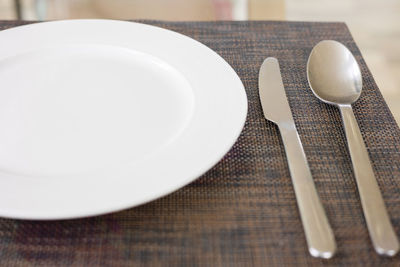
[335, 78]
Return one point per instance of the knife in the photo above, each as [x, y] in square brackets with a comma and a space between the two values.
[319, 235]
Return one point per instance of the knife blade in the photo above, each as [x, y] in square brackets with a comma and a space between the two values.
[319, 234]
[272, 93]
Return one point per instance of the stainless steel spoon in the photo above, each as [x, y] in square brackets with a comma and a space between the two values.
[335, 78]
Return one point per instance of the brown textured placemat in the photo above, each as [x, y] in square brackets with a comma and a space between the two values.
[242, 212]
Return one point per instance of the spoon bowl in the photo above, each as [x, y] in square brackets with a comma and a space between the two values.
[333, 73]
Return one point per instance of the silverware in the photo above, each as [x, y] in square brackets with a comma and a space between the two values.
[319, 235]
[335, 78]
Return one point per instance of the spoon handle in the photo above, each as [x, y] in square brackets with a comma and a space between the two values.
[380, 228]
[319, 235]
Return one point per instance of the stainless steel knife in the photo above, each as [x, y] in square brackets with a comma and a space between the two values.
[319, 235]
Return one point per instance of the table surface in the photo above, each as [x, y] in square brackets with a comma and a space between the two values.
[243, 211]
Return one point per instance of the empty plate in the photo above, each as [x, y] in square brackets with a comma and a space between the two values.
[98, 116]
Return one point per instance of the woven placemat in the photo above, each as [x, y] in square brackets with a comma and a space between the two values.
[242, 212]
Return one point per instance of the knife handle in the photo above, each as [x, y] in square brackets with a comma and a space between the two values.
[319, 235]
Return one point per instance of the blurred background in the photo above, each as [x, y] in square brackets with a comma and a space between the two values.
[375, 24]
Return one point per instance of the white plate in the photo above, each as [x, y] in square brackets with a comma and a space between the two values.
[99, 115]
